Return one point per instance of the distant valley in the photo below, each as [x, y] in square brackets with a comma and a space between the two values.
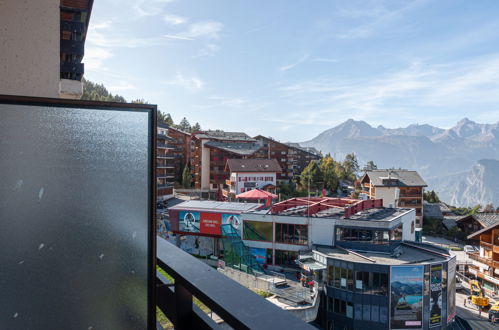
[460, 163]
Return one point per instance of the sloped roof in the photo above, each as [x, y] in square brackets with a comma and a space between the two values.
[253, 165]
[241, 148]
[405, 178]
[432, 210]
[487, 219]
[225, 136]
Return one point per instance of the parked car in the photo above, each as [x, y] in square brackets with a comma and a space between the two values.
[469, 249]
[459, 284]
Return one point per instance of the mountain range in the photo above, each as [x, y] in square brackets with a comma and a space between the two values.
[460, 163]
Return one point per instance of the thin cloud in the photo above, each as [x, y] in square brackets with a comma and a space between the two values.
[192, 83]
[418, 87]
[292, 65]
[324, 59]
[174, 19]
[148, 8]
[95, 57]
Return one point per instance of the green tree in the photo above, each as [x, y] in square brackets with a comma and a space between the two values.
[165, 118]
[186, 177]
[184, 125]
[330, 179]
[370, 165]
[97, 92]
[139, 101]
[195, 128]
[351, 166]
[431, 197]
[311, 177]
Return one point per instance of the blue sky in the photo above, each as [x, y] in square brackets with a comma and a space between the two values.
[291, 69]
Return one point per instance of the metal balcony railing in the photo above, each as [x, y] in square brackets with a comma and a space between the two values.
[237, 306]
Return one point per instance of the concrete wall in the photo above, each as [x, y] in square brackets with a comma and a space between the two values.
[205, 166]
[409, 222]
[387, 194]
[30, 46]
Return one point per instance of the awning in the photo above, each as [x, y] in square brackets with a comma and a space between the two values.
[312, 266]
[256, 194]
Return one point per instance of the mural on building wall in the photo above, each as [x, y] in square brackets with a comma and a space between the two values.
[259, 254]
[435, 295]
[406, 303]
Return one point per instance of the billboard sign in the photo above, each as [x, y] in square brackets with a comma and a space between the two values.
[406, 300]
[189, 221]
[435, 295]
[206, 222]
[231, 219]
[210, 223]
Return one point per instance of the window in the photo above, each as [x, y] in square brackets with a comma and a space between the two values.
[396, 233]
[291, 233]
[269, 257]
[257, 230]
[342, 278]
[286, 258]
[371, 283]
[362, 235]
[341, 307]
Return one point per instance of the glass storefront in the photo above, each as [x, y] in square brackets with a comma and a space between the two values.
[291, 233]
[257, 231]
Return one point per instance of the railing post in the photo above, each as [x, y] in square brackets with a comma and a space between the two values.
[183, 305]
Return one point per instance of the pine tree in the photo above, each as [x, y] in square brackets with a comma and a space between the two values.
[186, 177]
[195, 128]
[184, 125]
[311, 176]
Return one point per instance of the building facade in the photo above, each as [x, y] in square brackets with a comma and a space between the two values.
[291, 157]
[165, 166]
[180, 144]
[412, 288]
[56, 29]
[397, 188]
[485, 267]
[211, 151]
[248, 174]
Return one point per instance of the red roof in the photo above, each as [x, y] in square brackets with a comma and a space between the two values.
[256, 194]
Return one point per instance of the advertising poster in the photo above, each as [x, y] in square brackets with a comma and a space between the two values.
[231, 219]
[189, 221]
[210, 223]
[260, 255]
[435, 295]
[451, 290]
[406, 300]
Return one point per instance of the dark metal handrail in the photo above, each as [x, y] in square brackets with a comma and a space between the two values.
[237, 306]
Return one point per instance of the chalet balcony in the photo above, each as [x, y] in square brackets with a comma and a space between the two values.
[163, 146]
[165, 156]
[165, 166]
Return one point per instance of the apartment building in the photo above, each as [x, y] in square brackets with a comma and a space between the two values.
[248, 174]
[485, 267]
[180, 144]
[165, 165]
[211, 151]
[44, 61]
[291, 156]
[397, 188]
